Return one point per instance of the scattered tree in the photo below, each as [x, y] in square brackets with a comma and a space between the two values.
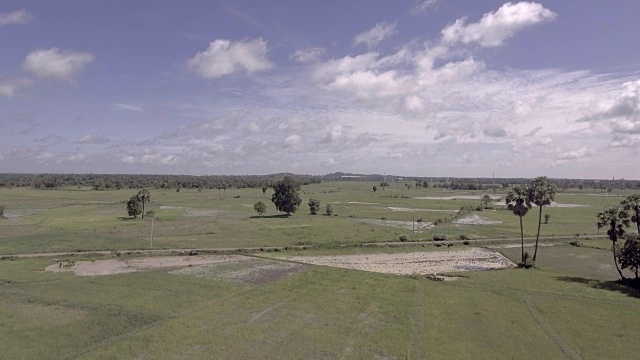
[632, 203]
[541, 192]
[260, 208]
[134, 207]
[384, 184]
[425, 184]
[518, 202]
[329, 210]
[629, 254]
[375, 188]
[264, 189]
[286, 195]
[485, 201]
[2, 211]
[617, 220]
[546, 218]
[143, 197]
[314, 206]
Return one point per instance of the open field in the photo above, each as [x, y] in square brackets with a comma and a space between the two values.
[263, 305]
[74, 219]
[220, 311]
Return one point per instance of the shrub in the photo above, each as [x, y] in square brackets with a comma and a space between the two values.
[314, 206]
[439, 237]
[527, 262]
[328, 210]
[575, 243]
[463, 237]
[466, 242]
[403, 238]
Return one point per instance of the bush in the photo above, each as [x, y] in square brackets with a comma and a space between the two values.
[403, 238]
[575, 243]
[439, 237]
[463, 237]
[466, 242]
[328, 210]
[314, 206]
[527, 263]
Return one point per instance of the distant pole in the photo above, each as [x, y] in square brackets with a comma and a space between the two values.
[152, 231]
[413, 227]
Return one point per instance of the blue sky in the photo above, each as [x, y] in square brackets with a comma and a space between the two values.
[425, 88]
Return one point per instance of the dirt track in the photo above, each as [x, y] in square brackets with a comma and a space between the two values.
[299, 247]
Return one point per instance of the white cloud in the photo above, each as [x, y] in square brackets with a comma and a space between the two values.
[308, 55]
[224, 57]
[17, 17]
[55, 63]
[92, 139]
[375, 35]
[129, 107]
[422, 6]
[292, 140]
[8, 87]
[494, 28]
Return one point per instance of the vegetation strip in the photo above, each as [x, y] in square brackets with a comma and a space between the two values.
[540, 319]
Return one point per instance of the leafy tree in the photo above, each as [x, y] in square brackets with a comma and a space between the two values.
[546, 218]
[384, 184]
[629, 254]
[375, 188]
[314, 206]
[134, 207]
[260, 208]
[632, 203]
[518, 202]
[286, 195]
[486, 199]
[329, 210]
[617, 220]
[541, 192]
[264, 189]
[143, 197]
[425, 184]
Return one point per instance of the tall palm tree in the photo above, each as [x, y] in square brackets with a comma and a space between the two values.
[632, 203]
[518, 202]
[541, 192]
[617, 220]
[143, 196]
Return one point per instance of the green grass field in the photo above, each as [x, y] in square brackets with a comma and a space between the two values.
[568, 307]
[82, 219]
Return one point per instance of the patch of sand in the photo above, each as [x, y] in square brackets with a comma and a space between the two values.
[476, 220]
[355, 202]
[120, 266]
[460, 197]
[553, 204]
[421, 263]
[392, 208]
[419, 226]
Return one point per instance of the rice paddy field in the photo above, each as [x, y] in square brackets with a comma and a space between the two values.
[288, 304]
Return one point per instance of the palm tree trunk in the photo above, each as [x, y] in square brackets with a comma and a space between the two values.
[143, 209]
[615, 260]
[535, 252]
[521, 239]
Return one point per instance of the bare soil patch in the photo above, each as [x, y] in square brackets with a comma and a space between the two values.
[392, 208]
[119, 266]
[476, 220]
[419, 226]
[460, 197]
[421, 263]
[250, 271]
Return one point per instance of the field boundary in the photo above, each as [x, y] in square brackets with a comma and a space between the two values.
[291, 247]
